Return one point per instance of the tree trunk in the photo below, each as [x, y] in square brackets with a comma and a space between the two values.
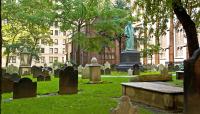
[7, 58]
[145, 43]
[157, 58]
[188, 26]
[171, 39]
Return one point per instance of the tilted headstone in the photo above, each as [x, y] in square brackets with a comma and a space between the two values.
[130, 72]
[56, 73]
[192, 84]
[125, 107]
[136, 69]
[24, 88]
[68, 81]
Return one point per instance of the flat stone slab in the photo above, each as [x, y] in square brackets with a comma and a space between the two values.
[151, 86]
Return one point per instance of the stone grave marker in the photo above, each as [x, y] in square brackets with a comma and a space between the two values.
[107, 68]
[130, 72]
[80, 69]
[161, 67]
[125, 107]
[192, 84]
[36, 71]
[136, 69]
[56, 73]
[24, 88]
[68, 81]
[164, 72]
[85, 72]
[94, 71]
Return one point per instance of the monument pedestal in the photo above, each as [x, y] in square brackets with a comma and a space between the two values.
[128, 59]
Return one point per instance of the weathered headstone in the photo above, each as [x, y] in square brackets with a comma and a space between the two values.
[95, 71]
[136, 69]
[36, 71]
[161, 67]
[85, 72]
[43, 78]
[24, 88]
[56, 73]
[130, 72]
[192, 84]
[164, 72]
[68, 81]
[80, 69]
[125, 107]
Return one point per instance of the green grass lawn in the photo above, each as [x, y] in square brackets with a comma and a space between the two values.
[91, 99]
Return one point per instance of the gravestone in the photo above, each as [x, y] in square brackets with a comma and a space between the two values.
[161, 67]
[43, 78]
[107, 68]
[125, 107]
[164, 72]
[24, 88]
[154, 68]
[192, 84]
[180, 75]
[56, 73]
[136, 69]
[130, 72]
[36, 71]
[107, 71]
[80, 69]
[94, 71]
[6, 85]
[85, 72]
[68, 81]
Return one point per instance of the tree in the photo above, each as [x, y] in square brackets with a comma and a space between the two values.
[93, 23]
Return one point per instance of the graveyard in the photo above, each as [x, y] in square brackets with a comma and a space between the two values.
[88, 98]
[100, 57]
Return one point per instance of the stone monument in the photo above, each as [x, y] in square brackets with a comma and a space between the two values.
[25, 67]
[130, 56]
[94, 71]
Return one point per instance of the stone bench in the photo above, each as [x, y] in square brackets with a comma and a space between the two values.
[154, 94]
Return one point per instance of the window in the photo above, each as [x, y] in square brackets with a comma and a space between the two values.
[64, 41]
[51, 32]
[42, 50]
[56, 42]
[50, 59]
[13, 59]
[42, 59]
[55, 50]
[50, 50]
[55, 59]
[56, 24]
[63, 60]
[43, 41]
[63, 50]
[56, 32]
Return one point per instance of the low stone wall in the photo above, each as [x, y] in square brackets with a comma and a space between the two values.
[150, 78]
[156, 95]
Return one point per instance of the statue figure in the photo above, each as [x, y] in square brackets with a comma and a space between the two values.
[129, 33]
